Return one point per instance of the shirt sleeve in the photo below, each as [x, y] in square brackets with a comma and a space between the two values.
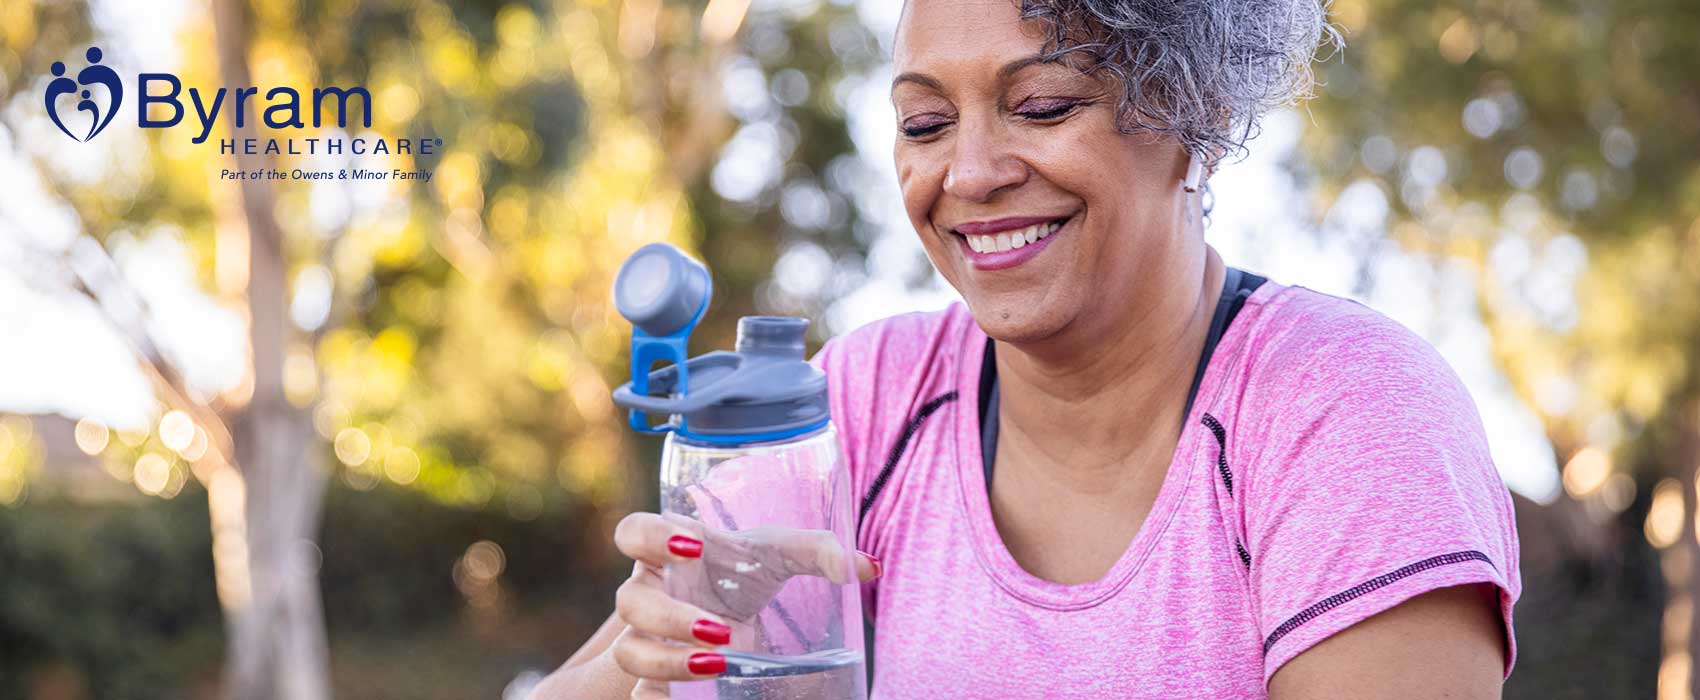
[1369, 482]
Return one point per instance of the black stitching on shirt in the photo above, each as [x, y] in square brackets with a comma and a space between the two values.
[1245, 557]
[909, 429]
[1342, 597]
[1216, 429]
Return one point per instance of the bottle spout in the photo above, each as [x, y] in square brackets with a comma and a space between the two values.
[778, 336]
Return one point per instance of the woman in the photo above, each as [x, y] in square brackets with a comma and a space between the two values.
[1122, 469]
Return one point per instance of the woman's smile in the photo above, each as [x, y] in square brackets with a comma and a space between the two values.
[1005, 243]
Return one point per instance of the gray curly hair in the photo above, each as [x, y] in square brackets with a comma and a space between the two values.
[1202, 70]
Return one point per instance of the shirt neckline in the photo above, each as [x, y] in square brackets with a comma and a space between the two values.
[993, 555]
[1237, 287]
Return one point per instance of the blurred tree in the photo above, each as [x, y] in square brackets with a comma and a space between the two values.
[1551, 149]
[277, 628]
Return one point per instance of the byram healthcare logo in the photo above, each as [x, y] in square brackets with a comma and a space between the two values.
[283, 109]
[94, 75]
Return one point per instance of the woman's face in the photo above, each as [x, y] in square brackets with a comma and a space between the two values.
[993, 146]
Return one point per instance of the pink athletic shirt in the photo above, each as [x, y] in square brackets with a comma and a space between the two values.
[1332, 467]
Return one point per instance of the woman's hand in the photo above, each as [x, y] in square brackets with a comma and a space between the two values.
[733, 575]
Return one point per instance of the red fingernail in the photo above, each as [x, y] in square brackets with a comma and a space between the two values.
[684, 546]
[878, 567]
[711, 632]
[706, 664]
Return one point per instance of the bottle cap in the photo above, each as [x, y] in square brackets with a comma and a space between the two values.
[764, 391]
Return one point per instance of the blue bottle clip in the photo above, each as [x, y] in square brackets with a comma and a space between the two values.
[664, 293]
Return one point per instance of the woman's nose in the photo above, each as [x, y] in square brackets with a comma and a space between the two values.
[982, 164]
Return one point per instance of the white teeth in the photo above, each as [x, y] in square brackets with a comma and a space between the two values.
[1010, 240]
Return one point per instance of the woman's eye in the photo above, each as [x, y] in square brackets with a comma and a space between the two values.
[1044, 110]
[922, 127]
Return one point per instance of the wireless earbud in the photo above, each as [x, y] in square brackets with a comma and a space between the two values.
[1194, 173]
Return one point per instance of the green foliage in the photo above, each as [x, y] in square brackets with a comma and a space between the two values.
[1555, 123]
[389, 556]
[123, 594]
[119, 597]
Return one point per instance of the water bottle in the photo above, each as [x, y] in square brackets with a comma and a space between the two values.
[751, 464]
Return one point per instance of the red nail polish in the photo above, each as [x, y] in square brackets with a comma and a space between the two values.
[706, 664]
[711, 632]
[684, 546]
[878, 567]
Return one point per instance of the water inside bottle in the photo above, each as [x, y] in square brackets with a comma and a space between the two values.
[833, 673]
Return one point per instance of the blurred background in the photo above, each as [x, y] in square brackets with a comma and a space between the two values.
[301, 439]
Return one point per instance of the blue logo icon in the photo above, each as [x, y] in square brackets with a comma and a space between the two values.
[94, 74]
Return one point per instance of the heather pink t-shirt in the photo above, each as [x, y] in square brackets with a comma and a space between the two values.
[1332, 467]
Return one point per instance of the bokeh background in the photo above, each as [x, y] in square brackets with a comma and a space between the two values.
[302, 439]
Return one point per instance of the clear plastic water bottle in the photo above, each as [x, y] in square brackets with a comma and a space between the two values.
[752, 465]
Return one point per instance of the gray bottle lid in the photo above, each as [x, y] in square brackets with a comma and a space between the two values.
[763, 391]
[661, 290]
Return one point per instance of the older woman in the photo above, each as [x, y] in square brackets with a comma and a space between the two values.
[1122, 469]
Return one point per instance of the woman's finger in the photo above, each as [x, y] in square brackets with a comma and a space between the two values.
[656, 541]
[811, 553]
[868, 567]
[650, 658]
[829, 558]
[644, 605]
[651, 690]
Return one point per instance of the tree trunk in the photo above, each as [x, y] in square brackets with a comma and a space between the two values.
[277, 648]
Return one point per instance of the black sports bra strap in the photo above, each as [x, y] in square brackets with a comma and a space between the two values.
[1237, 286]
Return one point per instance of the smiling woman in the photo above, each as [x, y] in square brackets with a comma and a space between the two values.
[1207, 483]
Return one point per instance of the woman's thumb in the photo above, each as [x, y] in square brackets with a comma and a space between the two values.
[868, 566]
[651, 690]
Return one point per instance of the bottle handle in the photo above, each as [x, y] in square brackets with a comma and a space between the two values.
[655, 290]
[635, 396]
[659, 392]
